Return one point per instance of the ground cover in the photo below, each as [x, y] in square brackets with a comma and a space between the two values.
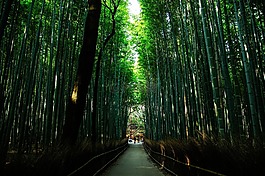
[217, 155]
[61, 160]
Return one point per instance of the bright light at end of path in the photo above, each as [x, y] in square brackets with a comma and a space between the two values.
[134, 11]
[134, 7]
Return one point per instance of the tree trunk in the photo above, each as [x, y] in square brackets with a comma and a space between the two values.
[77, 100]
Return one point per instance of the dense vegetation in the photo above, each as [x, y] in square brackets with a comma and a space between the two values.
[204, 68]
[68, 76]
[43, 49]
[204, 94]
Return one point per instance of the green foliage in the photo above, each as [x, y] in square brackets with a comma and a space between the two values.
[26, 2]
[199, 62]
[162, 60]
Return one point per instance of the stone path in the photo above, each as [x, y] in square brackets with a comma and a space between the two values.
[133, 162]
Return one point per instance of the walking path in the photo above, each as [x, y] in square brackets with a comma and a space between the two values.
[133, 162]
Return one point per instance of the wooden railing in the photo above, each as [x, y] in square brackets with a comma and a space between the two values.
[176, 167]
[96, 164]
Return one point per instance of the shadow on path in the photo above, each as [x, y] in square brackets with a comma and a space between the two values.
[133, 162]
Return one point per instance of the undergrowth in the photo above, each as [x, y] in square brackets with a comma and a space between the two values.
[218, 155]
[59, 160]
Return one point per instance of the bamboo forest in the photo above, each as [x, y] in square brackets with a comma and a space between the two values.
[80, 78]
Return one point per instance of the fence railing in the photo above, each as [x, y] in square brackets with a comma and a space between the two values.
[176, 167]
[96, 164]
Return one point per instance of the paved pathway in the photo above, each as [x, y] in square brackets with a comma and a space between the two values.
[133, 162]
